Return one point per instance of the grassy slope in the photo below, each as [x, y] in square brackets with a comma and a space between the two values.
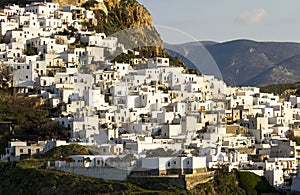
[223, 183]
[17, 179]
[62, 152]
[254, 184]
[235, 183]
[29, 177]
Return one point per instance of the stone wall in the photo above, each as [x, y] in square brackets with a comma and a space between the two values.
[188, 181]
[177, 181]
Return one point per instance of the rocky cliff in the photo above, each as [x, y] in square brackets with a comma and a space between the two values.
[126, 13]
[126, 19]
[129, 21]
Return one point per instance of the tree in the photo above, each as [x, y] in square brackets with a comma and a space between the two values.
[4, 39]
[30, 117]
[88, 4]
[31, 51]
[5, 75]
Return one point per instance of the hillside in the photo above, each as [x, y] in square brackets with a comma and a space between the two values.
[29, 176]
[283, 73]
[15, 179]
[282, 89]
[235, 182]
[30, 116]
[246, 62]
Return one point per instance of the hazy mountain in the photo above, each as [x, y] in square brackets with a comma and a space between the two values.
[283, 73]
[246, 62]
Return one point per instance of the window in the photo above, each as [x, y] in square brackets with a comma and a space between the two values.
[27, 67]
[21, 150]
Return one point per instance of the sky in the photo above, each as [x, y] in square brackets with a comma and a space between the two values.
[224, 20]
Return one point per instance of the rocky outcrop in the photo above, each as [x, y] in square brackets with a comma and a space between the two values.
[138, 14]
[98, 6]
[135, 13]
[113, 16]
[127, 20]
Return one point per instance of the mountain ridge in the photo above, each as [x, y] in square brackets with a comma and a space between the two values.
[241, 61]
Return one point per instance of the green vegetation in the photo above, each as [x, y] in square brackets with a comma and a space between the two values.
[31, 51]
[223, 183]
[29, 176]
[291, 136]
[149, 52]
[4, 39]
[30, 116]
[62, 152]
[297, 140]
[282, 89]
[88, 4]
[17, 179]
[4, 138]
[235, 182]
[226, 183]
[254, 184]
